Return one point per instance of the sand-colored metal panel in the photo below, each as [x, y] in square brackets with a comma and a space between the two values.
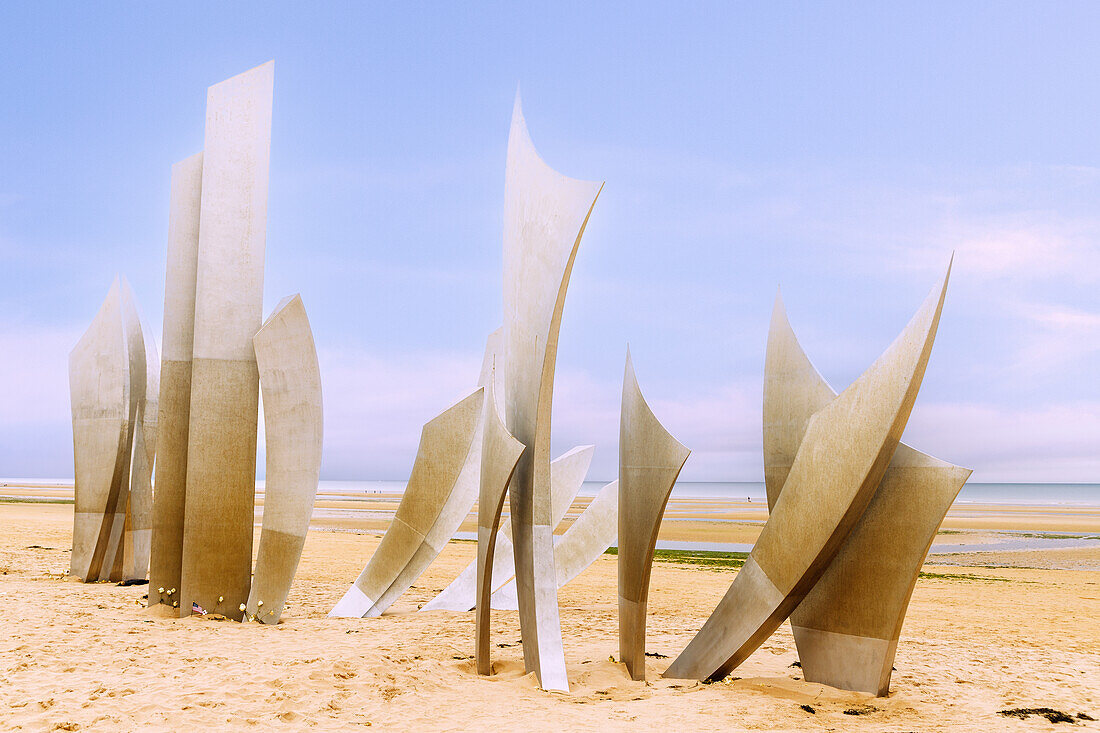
[650, 459]
[567, 473]
[120, 550]
[458, 504]
[545, 214]
[139, 512]
[221, 442]
[218, 470]
[99, 386]
[174, 405]
[139, 515]
[586, 539]
[847, 627]
[841, 461]
[445, 444]
[499, 455]
[290, 382]
[848, 662]
[109, 556]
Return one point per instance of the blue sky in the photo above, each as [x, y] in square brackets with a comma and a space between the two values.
[839, 150]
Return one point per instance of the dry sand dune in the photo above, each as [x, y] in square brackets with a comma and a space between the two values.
[90, 657]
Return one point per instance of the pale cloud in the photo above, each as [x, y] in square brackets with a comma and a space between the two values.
[34, 369]
[375, 406]
[1050, 443]
[720, 424]
[1057, 337]
[1034, 224]
[35, 419]
[1035, 247]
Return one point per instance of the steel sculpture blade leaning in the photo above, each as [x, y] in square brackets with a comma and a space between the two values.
[579, 546]
[99, 389]
[839, 464]
[290, 379]
[499, 456]
[567, 473]
[114, 559]
[139, 513]
[445, 445]
[458, 502]
[545, 214]
[847, 627]
[650, 459]
[113, 441]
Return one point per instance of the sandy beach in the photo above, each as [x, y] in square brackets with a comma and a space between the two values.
[977, 640]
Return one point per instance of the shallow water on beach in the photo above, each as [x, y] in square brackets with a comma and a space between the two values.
[1001, 541]
[1027, 494]
[972, 493]
[984, 512]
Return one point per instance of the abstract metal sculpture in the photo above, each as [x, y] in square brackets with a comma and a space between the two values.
[290, 380]
[445, 445]
[113, 441]
[545, 214]
[650, 459]
[499, 455]
[139, 511]
[166, 553]
[458, 503]
[847, 627]
[839, 464]
[99, 386]
[113, 559]
[579, 546]
[444, 518]
[221, 442]
[567, 473]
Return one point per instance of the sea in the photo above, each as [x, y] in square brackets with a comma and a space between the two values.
[1038, 494]
[1063, 498]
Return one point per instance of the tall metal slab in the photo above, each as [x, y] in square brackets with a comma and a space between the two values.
[839, 465]
[221, 442]
[847, 628]
[290, 380]
[174, 409]
[545, 214]
[99, 392]
[650, 459]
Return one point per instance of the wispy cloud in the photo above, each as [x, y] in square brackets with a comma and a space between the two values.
[375, 406]
[35, 418]
[1054, 442]
[1031, 248]
[35, 375]
[1058, 339]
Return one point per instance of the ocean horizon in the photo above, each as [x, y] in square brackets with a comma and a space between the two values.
[1024, 494]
